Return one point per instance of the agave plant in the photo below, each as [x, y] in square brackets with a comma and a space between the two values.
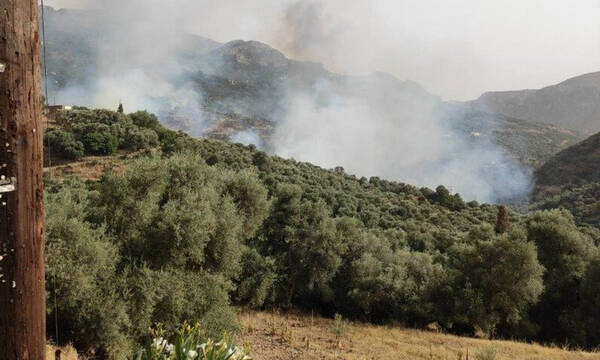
[189, 345]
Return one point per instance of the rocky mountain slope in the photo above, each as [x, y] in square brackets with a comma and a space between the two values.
[76, 38]
[572, 104]
[246, 88]
[532, 144]
[254, 81]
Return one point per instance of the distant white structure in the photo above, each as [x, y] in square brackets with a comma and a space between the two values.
[475, 134]
[52, 110]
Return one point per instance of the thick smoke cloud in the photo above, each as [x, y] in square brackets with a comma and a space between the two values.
[372, 126]
[248, 137]
[487, 45]
[142, 57]
[308, 32]
[409, 142]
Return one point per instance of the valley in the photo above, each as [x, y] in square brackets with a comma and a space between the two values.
[249, 92]
[210, 199]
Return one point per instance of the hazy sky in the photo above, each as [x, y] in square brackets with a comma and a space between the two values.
[456, 49]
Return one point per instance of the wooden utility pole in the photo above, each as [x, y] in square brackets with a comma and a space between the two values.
[22, 298]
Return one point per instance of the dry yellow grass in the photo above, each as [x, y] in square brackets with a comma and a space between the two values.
[273, 336]
[66, 353]
[92, 167]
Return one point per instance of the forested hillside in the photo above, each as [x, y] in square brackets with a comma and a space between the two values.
[571, 180]
[530, 143]
[577, 165]
[192, 226]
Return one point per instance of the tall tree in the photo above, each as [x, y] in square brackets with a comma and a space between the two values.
[22, 298]
[566, 252]
[502, 220]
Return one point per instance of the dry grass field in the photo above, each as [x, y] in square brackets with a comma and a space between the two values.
[91, 167]
[273, 336]
[66, 353]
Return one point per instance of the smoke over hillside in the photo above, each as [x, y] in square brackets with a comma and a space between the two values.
[142, 53]
[391, 130]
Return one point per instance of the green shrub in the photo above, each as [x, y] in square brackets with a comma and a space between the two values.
[566, 253]
[168, 139]
[486, 354]
[443, 197]
[339, 326]
[139, 138]
[100, 130]
[63, 144]
[496, 279]
[100, 143]
[144, 119]
[81, 268]
[255, 284]
[70, 118]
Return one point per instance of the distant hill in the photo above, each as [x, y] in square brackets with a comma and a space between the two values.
[532, 144]
[572, 104]
[577, 165]
[245, 86]
[571, 179]
[75, 38]
[251, 81]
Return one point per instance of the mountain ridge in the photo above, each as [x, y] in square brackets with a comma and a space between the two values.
[571, 180]
[245, 87]
[573, 103]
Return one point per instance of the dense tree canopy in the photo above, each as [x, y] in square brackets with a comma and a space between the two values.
[81, 132]
[179, 235]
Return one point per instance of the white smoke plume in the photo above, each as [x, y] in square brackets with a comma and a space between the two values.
[371, 126]
[248, 137]
[415, 146]
[140, 55]
[457, 49]
[308, 32]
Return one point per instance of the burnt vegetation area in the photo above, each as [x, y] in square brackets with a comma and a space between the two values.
[199, 225]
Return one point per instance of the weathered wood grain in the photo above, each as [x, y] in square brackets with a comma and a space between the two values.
[22, 298]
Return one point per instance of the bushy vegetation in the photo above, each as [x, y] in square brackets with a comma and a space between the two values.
[64, 144]
[160, 244]
[576, 165]
[181, 235]
[80, 132]
[571, 180]
[582, 201]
